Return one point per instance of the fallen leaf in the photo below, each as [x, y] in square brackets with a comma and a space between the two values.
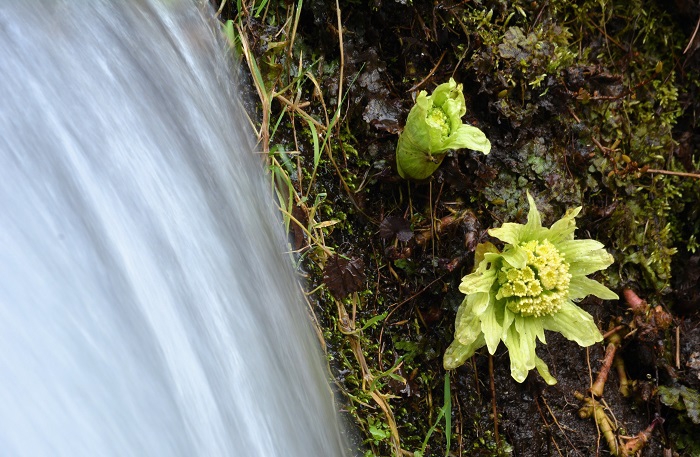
[344, 276]
[395, 226]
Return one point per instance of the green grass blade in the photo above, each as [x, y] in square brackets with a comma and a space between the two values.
[447, 411]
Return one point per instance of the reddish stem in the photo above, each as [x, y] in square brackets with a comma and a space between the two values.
[635, 303]
[613, 343]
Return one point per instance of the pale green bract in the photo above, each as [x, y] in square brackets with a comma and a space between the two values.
[434, 127]
[515, 295]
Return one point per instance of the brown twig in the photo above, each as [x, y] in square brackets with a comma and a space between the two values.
[430, 73]
[476, 377]
[342, 53]
[675, 173]
[678, 348]
[615, 329]
[692, 38]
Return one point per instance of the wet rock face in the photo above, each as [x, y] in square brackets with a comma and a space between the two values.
[690, 354]
[576, 114]
[687, 284]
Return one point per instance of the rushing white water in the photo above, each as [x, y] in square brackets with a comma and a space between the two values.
[146, 307]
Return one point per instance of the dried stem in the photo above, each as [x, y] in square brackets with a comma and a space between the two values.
[493, 405]
[625, 383]
[634, 445]
[592, 408]
[613, 343]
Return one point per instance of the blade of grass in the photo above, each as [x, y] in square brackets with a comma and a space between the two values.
[446, 412]
[317, 151]
[280, 180]
[259, 9]
[263, 93]
[293, 35]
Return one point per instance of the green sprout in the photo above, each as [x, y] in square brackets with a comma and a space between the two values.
[434, 127]
[515, 295]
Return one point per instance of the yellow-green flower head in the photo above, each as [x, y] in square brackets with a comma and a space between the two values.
[541, 286]
[434, 126]
[515, 295]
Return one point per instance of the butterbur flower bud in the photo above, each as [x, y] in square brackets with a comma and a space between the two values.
[515, 295]
[434, 127]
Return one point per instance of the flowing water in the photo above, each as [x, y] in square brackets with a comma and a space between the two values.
[146, 305]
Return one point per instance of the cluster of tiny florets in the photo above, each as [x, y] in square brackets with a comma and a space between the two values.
[440, 120]
[541, 286]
